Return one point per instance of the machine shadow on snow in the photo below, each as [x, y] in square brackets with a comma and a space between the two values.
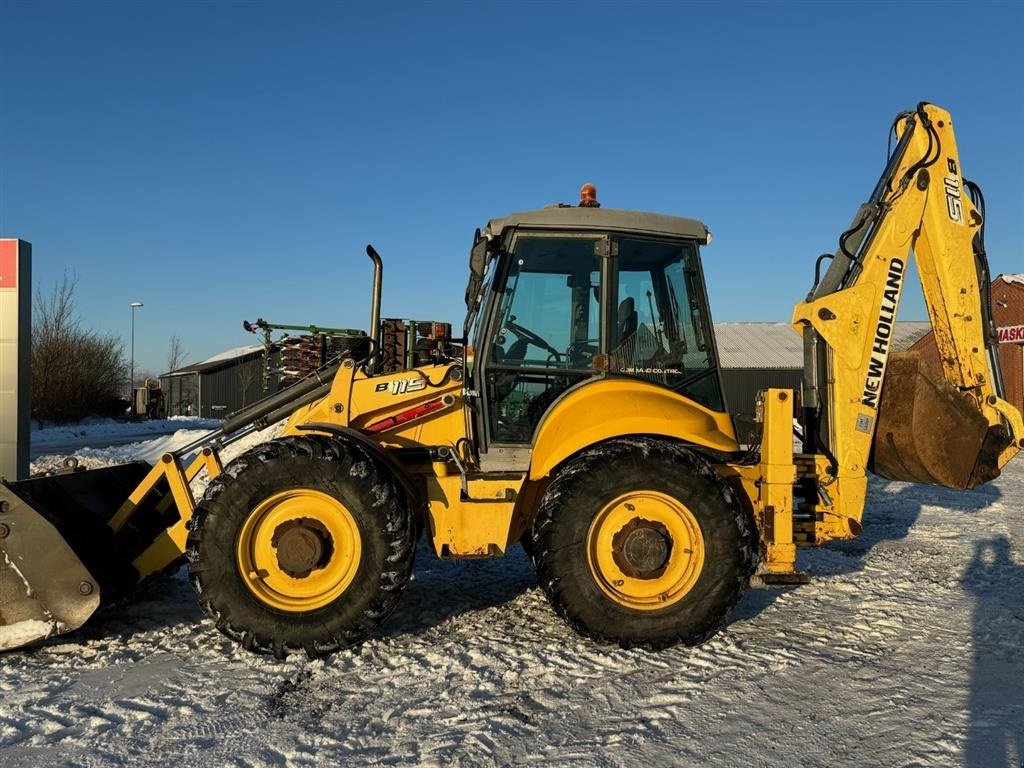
[442, 589]
[995, 736]
[891, 510]
[996, 582]
[167, 602]
[756, 600]
[439, 591]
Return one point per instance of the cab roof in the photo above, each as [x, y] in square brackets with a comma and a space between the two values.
[601, 219]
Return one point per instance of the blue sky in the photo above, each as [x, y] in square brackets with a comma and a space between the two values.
[220, 162]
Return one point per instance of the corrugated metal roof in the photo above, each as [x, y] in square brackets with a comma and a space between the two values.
[220, 360]
[907, 332]
[1012, 278]
[777, 345]
[231, 354]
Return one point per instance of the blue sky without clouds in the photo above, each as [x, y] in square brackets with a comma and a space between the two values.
[220, 162]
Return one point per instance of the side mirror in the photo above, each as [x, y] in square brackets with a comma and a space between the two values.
[477, 265]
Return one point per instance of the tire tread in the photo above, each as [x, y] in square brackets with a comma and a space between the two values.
[277, 633]
[575, 475]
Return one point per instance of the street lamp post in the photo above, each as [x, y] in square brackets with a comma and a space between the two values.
[131, 380]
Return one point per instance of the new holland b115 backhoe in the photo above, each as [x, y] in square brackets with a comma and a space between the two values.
[581, 412]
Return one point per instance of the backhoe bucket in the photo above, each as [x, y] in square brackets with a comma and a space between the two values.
[930, 432]
[59, 560]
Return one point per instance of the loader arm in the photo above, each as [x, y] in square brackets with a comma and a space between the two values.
[863, 410]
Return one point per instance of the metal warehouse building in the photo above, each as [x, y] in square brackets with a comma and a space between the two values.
[218, 386]
[1008, 313]
[755, 356]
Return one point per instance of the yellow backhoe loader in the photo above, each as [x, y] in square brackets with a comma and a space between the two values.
[581, 412]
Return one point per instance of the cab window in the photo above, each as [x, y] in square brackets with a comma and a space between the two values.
[661, 329]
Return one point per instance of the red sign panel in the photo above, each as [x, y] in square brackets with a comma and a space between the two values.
[1011, 334]
[8, 263]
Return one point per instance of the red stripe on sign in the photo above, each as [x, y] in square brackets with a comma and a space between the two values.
[8, 263]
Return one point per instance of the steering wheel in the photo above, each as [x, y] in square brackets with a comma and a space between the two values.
[527, 335]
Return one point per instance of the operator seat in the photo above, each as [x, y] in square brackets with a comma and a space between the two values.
[628, 320]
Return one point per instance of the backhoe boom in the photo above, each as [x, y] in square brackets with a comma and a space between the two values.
[867, 408]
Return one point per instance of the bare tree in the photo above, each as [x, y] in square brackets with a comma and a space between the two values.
[248, 373]
[175, 354]
[76, 372]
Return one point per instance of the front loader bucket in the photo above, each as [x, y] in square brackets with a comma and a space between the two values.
[930, 432]
[59, 560]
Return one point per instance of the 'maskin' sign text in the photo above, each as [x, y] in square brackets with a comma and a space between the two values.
[1011, 334]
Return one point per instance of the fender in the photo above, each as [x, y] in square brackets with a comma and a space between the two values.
[354, 437]
[608, 408]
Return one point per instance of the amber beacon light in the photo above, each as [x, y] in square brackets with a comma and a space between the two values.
[588, 196]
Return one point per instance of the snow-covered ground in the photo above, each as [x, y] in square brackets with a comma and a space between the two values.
[905, 650]
[91, 440]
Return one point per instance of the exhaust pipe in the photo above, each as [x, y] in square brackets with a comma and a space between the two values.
[378, 279]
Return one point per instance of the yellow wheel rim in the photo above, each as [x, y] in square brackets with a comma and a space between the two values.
[645, 550]
[298, 550]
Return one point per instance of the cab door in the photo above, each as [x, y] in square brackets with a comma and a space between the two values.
[543, 332]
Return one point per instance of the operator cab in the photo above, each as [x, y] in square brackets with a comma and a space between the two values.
[566, 294]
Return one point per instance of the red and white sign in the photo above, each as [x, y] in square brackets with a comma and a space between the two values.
[1011, 334]
[8, 263]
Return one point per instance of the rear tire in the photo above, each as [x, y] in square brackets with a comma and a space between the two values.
[638, 541]
[302, 543]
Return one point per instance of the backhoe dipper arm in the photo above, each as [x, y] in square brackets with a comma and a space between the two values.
[853, 412]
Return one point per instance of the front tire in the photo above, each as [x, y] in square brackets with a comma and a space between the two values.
[638, 541]
[303, 543]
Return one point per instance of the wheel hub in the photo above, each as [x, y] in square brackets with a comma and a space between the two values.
[298, 549]
[645, 550]
[641, 548]
[302, 546]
